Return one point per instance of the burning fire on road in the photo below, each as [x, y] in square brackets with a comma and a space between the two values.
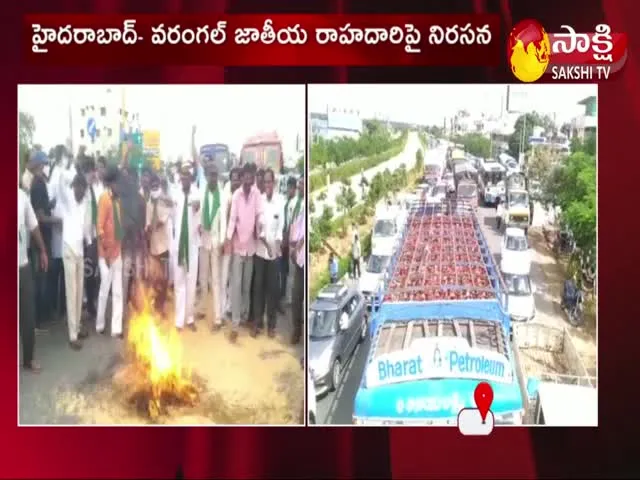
[154, 375]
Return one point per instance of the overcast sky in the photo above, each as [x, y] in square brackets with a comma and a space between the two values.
[223, 113]
[429, 104]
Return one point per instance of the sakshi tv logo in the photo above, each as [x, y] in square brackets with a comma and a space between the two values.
[585, 57]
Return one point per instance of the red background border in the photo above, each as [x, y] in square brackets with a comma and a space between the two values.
[366, 452]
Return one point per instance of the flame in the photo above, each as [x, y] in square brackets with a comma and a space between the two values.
[159, 354]
[529, 64]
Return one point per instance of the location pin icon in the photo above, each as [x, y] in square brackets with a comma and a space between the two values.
[483, 396]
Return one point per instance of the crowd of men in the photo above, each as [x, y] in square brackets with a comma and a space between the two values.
[232, 253]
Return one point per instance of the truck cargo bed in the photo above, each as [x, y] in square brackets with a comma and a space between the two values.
[394, 336]
[443, 256]
[548, 354]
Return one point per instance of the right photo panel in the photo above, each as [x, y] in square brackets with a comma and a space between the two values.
[452, 268]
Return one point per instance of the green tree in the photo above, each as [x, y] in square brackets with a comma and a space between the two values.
[324, 224]
[475, 144]
[526, 123]
[419, 160]
[587, 145]
[312, 205]
[541, 162]
[315, 238]
[300, 165]
[350, 199]
[572, 186]
[26, 130]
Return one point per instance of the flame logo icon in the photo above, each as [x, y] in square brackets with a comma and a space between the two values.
[528, 51]
[437, 357]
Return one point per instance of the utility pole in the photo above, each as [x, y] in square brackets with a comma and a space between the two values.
[70, 143]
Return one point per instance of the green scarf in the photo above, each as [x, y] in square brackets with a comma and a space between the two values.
[295, 212]
[183, 245]
[208, 213]
[154, 215]
[296, 209]
[94, 208]
[117, 226]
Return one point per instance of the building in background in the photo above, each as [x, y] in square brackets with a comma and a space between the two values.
[151, 147]
[98, 117]
[588, 121]
[336, 123]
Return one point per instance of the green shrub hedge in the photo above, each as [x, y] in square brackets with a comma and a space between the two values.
[355, 166]
[323, 279]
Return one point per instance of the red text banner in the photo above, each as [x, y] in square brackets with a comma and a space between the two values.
[263, 40]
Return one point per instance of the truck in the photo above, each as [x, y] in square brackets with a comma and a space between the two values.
[441, 328]
[265, 150]
[517, 211]
[456, 156]
[491, 181]
[551, 373]
[432, 173]
[220, 155]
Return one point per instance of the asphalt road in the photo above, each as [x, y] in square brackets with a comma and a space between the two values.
[66, 370]
[337, 407]
[408, 157]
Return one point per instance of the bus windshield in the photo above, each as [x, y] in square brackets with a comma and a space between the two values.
[264, 156]
[219, 153]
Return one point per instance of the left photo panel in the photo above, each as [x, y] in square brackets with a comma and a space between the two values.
[161, 254]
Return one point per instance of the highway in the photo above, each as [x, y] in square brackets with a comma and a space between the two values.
[337, 407]
[408, 157]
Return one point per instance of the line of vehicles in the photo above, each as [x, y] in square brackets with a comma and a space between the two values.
[265, 150]
[445, 315]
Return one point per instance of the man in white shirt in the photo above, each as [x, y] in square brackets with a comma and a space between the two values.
[213, 227]
[76, 218]
[232, 185]
[294, 207]
[290, 205]
[185, 248]
[61, 165]
[356, 252]
[27, 226]
[92, 272]
[268, 251]
[158, 217]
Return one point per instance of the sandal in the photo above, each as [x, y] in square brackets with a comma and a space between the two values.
[33, 367]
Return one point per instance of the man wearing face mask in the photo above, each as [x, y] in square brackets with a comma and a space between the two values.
[46, 219]
[185, 249]
[92, 271]
[158, 217]
[62, 166]
[212, 234]
[110, 235]
[76, 215]
[235, 180]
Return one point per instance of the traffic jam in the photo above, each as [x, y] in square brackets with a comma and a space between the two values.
[446, 300]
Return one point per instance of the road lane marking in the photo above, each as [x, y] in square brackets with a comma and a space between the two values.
[338, 393]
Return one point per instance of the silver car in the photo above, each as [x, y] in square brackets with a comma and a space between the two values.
[337, 323]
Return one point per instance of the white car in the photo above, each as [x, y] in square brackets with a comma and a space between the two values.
[311, 399]
[493, 192]
[385, 233]
[521, 305]
[370, 283]
[448, 179]
[515, 253]
[438, 193]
